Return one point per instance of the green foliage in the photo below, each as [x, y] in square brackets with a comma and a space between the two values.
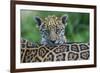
[77, 29]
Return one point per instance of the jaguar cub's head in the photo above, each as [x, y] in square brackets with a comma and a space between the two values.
[52, 29]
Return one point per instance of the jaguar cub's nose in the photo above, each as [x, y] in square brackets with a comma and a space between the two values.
[53, 41]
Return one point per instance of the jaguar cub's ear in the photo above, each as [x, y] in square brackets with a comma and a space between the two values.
[38, 20]
[64, 19]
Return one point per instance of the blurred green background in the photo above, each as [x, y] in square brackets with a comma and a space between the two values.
[77, 29]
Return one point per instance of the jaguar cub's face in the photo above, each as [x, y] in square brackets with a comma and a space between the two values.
[52, 28]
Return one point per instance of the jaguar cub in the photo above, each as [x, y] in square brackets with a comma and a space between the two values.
[52, 29]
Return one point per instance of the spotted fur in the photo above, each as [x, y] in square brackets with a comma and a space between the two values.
[31, 52]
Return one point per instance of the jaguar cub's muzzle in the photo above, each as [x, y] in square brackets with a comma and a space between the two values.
[53, 36]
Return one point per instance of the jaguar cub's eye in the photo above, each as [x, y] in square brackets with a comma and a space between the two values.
[45, 30]
[57, 30]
